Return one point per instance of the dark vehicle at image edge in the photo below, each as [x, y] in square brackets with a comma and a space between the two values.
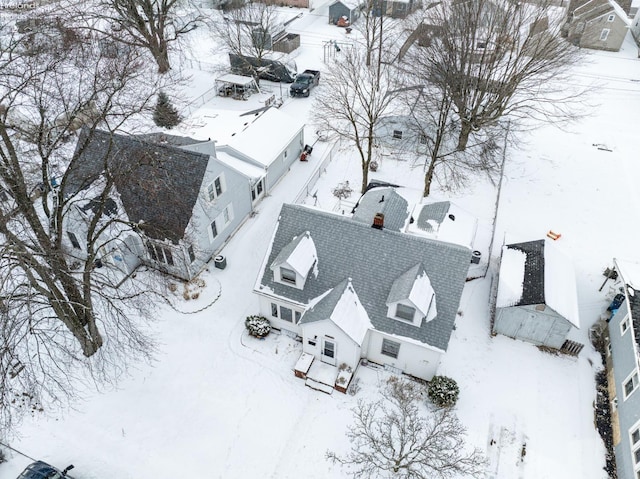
[42, 470]
[305, 81]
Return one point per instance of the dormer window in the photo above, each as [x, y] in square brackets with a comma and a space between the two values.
[295, 262]
[287, 275]
[405, 312]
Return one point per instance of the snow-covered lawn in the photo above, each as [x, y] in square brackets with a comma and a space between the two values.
[217, 403]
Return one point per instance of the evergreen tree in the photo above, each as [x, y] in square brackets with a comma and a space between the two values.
[165, 114]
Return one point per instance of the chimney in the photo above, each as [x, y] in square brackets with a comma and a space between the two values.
[378, 221]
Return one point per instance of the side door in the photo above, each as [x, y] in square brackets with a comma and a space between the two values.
[329, 350]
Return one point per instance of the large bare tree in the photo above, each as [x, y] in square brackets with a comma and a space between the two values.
[61, 315]
[359, 90]
[497, 59]
[248, 32]
[399, 437]
[154, 25]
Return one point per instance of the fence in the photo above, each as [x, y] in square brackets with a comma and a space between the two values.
[311, 182]
[197, 102]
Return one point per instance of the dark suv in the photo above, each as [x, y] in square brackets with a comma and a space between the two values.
[42, 470]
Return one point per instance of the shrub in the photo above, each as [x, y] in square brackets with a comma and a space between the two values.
[443, 391]
[257, 326]
[3, 457]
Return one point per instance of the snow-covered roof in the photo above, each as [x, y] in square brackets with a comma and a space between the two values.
[620, 12]
[215, 124]
[630, 272]
[241, 166]
[444, 221]
[511, 277]
[236, 79]
[300, 254]
[343, 307]
[267, 136]
[560, 284]
[351, 4]
[537, 272]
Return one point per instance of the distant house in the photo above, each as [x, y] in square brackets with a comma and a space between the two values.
[622, 361]
[598, 24]
[180, 204]
[353, 289]
[288, 3]
[635, 27]
[537, 299]
[350, 9]
[182, 198]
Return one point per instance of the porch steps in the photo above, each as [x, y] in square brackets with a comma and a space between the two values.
[318, 386]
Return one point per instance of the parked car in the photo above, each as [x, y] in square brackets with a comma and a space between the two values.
[305, 81]
[42, 470]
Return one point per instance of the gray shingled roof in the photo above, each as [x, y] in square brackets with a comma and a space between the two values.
[158, 184]
[403, 284]
[323, 308]
[386, 201]
[373, 259]
[432, 212]
[533, 282]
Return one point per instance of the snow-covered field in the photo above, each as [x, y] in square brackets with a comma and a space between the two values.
[217, 403]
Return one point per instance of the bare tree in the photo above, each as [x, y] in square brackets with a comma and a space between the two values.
[496, 59]
[248, 33]
[395, 437]
[358, 91]
[151, 24]
[61, 317]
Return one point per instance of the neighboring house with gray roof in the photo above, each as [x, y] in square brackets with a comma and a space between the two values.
[385, 201]
[622, 362]
[177, 205]
[597, 24]
[536, 298]
[352, 291]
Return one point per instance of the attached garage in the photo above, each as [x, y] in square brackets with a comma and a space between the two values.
[536, 298]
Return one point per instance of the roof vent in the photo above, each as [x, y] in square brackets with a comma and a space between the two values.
[378, 221]
[452, 217]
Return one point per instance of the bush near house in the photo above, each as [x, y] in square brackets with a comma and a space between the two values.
[443, 391]
[165, 114]
[257, 326]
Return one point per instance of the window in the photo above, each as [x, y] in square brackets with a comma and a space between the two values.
[286, 314]
[624, 325]
[274, 310]
[298, 315]
[215, 188]
[228, 214]
[397, 134]
[604, 34]
[192, 255]
[390, 348]
[214, 230]
[630, 385]
[611, 18]
[4, 196]
[160, 253]
[635, 436]
[287, 275]
[74, 240]
[405, 312]
[636, 456]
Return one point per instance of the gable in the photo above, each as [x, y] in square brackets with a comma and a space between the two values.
[158, 184]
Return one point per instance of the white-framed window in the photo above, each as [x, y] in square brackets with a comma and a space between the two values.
[630, 384]
[287, 275]
[227, 214]
[604, 34]
[285, 313]
[624, 325]
[397, 134]
[192, 254]
[213, 230]
[216, 188]
[74, 240]
[611, 18]
[405, 312]
[634, 444]
[160, 253]
[390, 348]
